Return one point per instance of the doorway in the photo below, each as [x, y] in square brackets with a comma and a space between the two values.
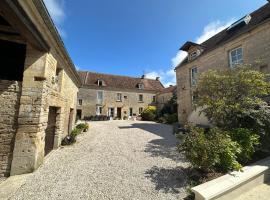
[111, 112]
[70, 120]
[50, 130]
[130, 112]
[119, 113]
[79, 114]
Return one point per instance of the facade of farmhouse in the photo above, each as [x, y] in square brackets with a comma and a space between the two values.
[246, 41]
[38, 86]
[118, 97]
[165, 96]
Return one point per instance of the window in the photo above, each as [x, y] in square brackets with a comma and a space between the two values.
[125, 97]
[141, 86]
[100, 97]
[80, 102]
[130, 112]
[154, 98]
[236, 57]
[140, 110]
[193, 55]
[193, 76]
[119, 97]
[111, 112]
[99, 110]
[140, 98]
[100, 82]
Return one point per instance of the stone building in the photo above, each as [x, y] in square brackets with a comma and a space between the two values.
[38, 86]
[165, 95]
[115, 96]
[247, 41]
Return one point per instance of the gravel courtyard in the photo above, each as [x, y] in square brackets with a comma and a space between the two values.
[114, 160]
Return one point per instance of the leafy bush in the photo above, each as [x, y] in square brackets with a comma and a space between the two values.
[233, 98]
[75, 132]
[213, 150]
[247, 141]
[173, 118]
[149, 114]
[83, 126]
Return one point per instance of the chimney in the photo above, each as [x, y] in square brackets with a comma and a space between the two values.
[171, 85]
[157, 78]
[143, 76]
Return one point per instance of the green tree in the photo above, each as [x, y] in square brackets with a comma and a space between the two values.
[233, 98]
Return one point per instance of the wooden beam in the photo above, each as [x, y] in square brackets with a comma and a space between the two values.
[12, 38]
[7, 29]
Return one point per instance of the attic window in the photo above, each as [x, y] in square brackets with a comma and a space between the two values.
[243, 21]
[193, 55]
[140, 86]
[100, 82]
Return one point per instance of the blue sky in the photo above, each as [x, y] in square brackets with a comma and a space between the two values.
[130, 38]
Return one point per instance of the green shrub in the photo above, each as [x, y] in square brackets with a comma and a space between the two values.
[247, 141]
[149, 114]
[171, 118]
[213, 150]
[75, 132]
[82, 126]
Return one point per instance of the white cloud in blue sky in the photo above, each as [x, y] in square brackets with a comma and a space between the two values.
[168, 77]
[56, 9]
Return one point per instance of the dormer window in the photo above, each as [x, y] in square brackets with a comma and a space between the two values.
[100, 82]
[140, 86]
[193, 55]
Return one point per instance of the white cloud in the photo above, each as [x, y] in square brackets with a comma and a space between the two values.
[56, 9]
[169, 77]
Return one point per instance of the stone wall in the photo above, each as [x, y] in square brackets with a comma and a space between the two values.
[163, 98]
[10, 92]
[89, 101]
[256, 51]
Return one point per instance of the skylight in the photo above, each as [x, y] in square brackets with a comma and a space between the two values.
[245, 20]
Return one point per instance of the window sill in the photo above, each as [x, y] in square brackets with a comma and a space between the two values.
[118, 100]
[140, 102]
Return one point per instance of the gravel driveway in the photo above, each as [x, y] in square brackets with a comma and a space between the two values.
[114, 160]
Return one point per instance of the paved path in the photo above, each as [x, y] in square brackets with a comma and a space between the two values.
[115, 160]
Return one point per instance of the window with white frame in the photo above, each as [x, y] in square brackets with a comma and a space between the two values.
[236, 57]
[140, 98]
[193, 76]
[140, 110]
[193, 55]
[119, 97]
[141, 86]
[99, 97]
[80, 102]
[100, 82]
[99, 110]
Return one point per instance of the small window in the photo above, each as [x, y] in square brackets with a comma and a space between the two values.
[100, 82]
[154, 98]
[141, 86]
[236, 57]
[80, 102]
[193, 76]
[99, 110]
[125, 97]
[140, 98]
[119, 97]
[140, 110]
[193, 55]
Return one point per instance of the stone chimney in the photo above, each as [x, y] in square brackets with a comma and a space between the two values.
[157, 78]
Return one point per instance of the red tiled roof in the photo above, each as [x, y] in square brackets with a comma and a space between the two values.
[170, 89]
[121, 82]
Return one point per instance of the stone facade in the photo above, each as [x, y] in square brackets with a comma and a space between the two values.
[256, 51]
[130, 100]
[164, 96]
[42, 104]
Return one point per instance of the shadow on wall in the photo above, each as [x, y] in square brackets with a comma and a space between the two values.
[166, 146]
[167, 180]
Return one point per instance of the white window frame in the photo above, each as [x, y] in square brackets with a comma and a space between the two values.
[193, 80]
[100, 101]
[238, 61]
[140, 100]
[80, 102]
[98, 110]
[140, 86]
[100, 82]
[140, 110]
[193, 55]
[119, 97]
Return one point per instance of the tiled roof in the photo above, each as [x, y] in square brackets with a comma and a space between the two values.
[169, 89]
[121, 82]
[257, 17]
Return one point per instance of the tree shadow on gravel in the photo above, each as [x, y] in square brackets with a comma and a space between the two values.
[169, 180]
[166, 146]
